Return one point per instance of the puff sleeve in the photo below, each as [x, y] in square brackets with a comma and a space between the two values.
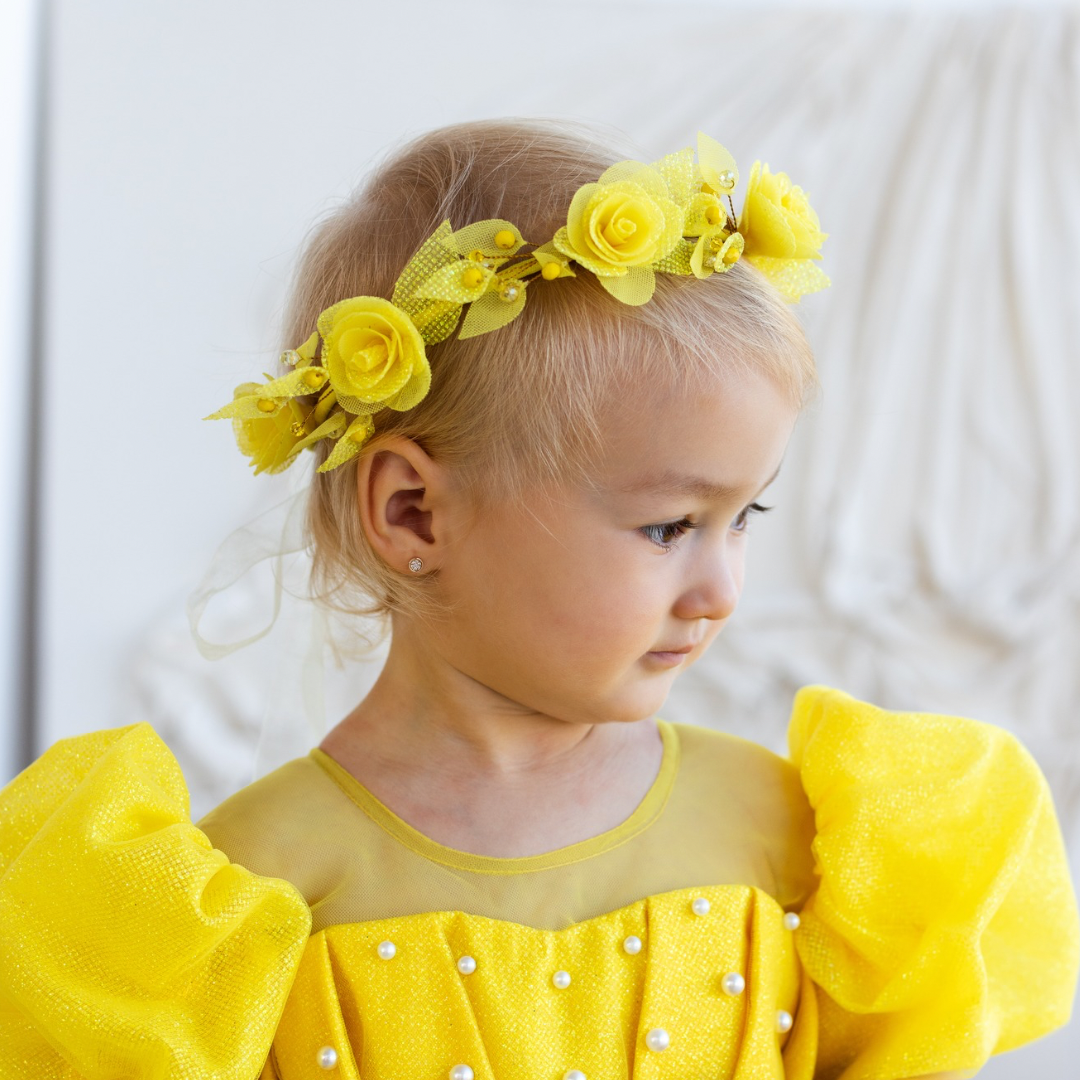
[130, 946]
[943, 926]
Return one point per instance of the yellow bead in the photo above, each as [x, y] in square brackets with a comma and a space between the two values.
[712, 215]
[313, 377]
[505, 239]
[508, 292]
[299, 429]
[267, 405]
[472, 277]
[727, 179]
[551, 271]
[731, 256]
[359, 435]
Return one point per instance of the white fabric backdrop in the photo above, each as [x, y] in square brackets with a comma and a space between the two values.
[924, 553]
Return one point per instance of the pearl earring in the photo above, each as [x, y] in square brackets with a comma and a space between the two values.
[416, 565]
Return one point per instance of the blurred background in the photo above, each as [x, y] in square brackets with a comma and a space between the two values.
[161, 163]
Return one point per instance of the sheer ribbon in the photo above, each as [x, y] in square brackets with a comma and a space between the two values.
[296, 685]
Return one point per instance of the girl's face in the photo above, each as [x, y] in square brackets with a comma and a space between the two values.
[585, 605]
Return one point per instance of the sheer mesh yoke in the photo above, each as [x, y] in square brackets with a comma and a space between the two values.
[721, 810]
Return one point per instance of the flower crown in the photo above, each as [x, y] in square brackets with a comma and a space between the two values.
[637, 220]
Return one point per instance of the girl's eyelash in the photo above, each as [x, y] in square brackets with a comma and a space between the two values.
[665, 534]
[753, 508]
[662, 537]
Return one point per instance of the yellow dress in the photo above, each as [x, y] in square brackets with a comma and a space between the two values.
[892, 901]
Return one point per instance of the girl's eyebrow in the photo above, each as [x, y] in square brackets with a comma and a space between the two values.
[673, 483]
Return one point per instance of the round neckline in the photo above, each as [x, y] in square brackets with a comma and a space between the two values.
[643, 815]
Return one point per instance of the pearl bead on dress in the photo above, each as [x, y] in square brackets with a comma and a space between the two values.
[657, 1039]
[632, 945]
[791, 921]
[561, 979]
[387, 949]
[461, 1072]
[466, 965]
[783, 1021]
[733, 983]
[700, 906]
[327, 1057]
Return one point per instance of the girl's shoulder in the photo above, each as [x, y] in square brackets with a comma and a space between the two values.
[944, 896]
[128, 939]
[874, 799]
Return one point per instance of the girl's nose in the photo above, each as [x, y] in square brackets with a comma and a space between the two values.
[713, 592]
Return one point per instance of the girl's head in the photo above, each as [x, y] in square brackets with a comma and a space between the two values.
[540, 476]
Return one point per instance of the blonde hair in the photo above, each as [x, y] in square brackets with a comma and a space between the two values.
[521, 406]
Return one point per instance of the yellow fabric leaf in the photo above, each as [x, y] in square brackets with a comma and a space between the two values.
[350, 443]
[490, 312]
[435, 319]
[714, 159]
[678, 172]
[480, 236]
[448, 283]
[635, 288]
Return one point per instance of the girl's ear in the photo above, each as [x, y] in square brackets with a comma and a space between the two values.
[403, 496]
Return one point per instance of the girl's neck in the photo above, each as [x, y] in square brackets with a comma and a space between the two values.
[422, 714]
[477, 772]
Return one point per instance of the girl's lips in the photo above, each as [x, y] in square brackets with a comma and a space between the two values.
[669, 658]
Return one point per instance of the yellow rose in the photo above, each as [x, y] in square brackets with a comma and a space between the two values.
[777, 221]
[270, 441]
[619, 226]
[375, 355]
[612, 227]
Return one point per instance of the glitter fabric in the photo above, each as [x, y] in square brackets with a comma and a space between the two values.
[417, 1015]
[129, 946]
[943, 928]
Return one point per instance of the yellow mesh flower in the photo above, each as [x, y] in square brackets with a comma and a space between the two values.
[718, 245]
[782, 232]
[374, 354]
[715, 252]
[620, 225]
[271, 440]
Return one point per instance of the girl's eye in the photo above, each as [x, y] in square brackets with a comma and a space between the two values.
[742, 522]
[666, 534]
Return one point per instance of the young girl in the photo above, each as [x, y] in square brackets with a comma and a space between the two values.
[501, 864]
